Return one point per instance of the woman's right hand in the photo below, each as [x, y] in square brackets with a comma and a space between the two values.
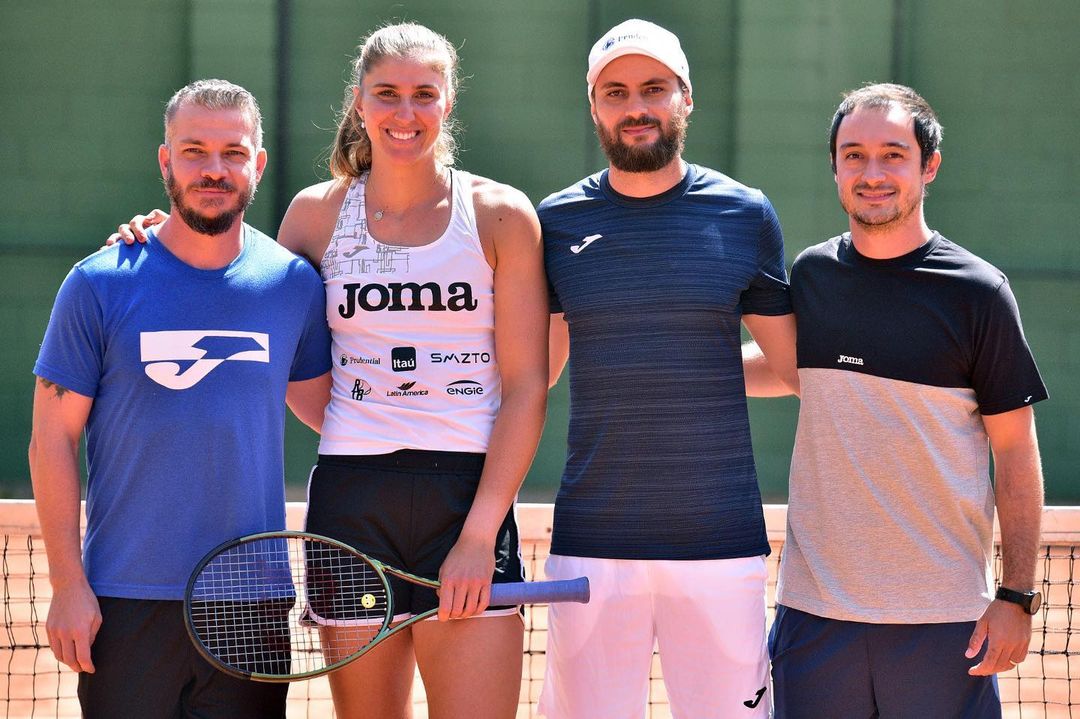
[135, 230]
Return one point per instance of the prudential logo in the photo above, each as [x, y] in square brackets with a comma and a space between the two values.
[180, 359]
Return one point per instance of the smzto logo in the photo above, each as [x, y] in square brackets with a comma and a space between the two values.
[460, 357]
[179, 359]
[403, 359]
[360, 389]
[464, 387]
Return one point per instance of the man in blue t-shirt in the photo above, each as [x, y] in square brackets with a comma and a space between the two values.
[176, 358]
[653, 264]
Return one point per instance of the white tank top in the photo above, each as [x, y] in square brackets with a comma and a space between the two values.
[413, 336]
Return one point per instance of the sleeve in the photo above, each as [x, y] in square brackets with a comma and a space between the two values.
[768, 291]
[73, 353]
[313, 350]
[554, 305]
[1004, 375]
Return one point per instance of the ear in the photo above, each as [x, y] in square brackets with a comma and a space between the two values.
[260, 162]
[932, 167]
[163, 159]
[592, 111]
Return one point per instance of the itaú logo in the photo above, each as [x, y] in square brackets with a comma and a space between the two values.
[180, 359]
[407, 297]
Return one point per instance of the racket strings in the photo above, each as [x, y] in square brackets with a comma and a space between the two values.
[287, 606]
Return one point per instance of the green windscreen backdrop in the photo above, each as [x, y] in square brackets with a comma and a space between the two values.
[83, 85]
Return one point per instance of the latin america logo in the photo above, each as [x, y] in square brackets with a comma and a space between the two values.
[180, 359]
[403, 359]
[360, 389]
[405, 389]
[464, 387]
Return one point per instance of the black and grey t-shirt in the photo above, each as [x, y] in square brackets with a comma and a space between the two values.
[891, 506]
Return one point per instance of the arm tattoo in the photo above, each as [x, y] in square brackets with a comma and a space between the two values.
[60, 390]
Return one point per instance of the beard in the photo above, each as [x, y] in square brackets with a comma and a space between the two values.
[884, 220]
[199, 222]
[645, 158]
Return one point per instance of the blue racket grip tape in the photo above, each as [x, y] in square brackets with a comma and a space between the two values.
[562, 590]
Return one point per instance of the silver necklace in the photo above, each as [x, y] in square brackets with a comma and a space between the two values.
[378, 215]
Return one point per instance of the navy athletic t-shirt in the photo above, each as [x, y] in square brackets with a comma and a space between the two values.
[659, 463]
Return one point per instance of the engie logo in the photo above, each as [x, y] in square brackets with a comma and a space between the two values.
[403, 359]
[179, 359]
[464, 387]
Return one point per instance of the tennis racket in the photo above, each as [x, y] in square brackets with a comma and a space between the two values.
[282, 606]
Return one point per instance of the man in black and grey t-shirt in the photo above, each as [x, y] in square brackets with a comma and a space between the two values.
[911, 358]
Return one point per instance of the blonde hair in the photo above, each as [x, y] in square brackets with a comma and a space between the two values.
[350, 155]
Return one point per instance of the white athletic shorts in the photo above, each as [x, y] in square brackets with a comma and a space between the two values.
[706, 617]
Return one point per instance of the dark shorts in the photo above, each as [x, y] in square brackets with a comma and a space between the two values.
[828, 667]
[147, 667]
[405, 509]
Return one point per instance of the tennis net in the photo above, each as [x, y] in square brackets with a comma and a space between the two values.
[34, 685]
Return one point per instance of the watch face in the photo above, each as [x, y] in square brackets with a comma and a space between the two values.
[1036, 602]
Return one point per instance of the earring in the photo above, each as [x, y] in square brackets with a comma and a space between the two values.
[362, 125]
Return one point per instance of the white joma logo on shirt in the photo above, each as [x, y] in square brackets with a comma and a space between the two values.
[844, 359]
[584, 243]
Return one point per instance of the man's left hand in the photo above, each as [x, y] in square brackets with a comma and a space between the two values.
[1005, 628]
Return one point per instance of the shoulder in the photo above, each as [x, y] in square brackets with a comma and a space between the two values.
[499, 206]
[965, 266]
[821, 253]
[310, 219]
[271, 259]
[583, 190]
[705, 180]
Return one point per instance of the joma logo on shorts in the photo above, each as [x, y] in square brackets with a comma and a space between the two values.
[844, 359]
[407, 296]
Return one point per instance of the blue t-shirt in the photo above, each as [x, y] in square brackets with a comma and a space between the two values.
[659, 463]
[188, 370]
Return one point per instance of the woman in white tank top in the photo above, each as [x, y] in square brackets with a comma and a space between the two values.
[437, 302]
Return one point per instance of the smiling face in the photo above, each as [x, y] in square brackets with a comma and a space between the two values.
[879, 173]
[211, 166]
[640, 113]
[403, 102]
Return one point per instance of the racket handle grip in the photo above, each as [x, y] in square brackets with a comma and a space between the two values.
[562, 590]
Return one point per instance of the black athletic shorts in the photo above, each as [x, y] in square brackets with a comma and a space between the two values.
[145, 666]
[405, 509]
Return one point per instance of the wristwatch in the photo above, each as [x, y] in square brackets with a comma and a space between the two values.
[1028, 601]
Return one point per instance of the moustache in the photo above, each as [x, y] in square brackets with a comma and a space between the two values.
[212, 185]
[638, 122]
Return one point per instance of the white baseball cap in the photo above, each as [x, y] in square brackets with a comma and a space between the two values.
[638, 37]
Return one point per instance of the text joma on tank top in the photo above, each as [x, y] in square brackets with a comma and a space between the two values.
[375, 297]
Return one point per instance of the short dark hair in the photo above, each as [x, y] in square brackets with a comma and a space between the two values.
[882, 96]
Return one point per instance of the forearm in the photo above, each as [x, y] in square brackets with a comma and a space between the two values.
[54, 474]
[307, 400]
[1019, 498]
[514, 438]
[759, 377]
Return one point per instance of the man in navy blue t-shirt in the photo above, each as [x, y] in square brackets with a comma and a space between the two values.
[175, 356]
[653, 264]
